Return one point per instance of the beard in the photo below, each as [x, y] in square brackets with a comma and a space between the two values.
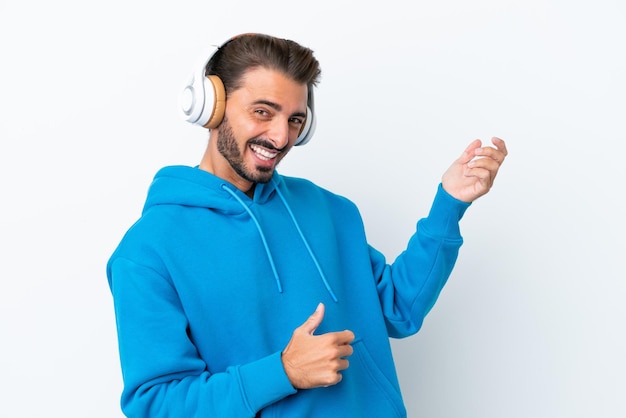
[228, 147]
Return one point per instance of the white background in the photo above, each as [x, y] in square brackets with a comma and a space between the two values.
[531, 323]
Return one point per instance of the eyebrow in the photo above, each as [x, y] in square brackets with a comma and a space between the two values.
[277, 107]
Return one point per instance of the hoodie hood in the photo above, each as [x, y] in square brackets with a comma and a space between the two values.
[191, 186]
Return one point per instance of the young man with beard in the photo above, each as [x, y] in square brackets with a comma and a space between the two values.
[241, 292]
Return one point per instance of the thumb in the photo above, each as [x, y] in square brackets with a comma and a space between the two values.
[311, 324]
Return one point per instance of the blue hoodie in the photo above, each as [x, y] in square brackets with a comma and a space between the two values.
[209, 285]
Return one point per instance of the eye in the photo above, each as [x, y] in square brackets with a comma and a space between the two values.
[297, 121]
[261, 112]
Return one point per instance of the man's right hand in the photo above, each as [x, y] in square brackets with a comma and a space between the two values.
[316, 360]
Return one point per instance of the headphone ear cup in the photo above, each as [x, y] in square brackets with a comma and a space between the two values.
[215, 103]
[308, 128]
[192, 98]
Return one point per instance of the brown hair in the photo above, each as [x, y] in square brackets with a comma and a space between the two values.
[244, 52]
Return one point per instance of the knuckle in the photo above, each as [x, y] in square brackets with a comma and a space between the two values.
[333, 378]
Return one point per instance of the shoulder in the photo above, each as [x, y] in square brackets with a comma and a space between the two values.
[305, 188]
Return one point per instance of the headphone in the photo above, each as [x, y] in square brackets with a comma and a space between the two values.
[203, 101]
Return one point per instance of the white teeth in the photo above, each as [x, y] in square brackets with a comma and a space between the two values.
[263, 153]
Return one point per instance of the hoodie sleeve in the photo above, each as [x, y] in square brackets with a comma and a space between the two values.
[163, 374]
[410, 286]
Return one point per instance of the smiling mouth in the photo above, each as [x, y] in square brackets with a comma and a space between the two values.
[263, 153]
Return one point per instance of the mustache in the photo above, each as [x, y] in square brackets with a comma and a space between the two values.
[265, 144]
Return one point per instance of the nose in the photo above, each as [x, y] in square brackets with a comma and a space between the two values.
[279, 132]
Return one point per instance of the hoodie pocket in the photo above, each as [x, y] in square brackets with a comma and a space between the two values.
[381, 396]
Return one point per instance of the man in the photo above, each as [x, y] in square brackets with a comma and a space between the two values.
[241, 293]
